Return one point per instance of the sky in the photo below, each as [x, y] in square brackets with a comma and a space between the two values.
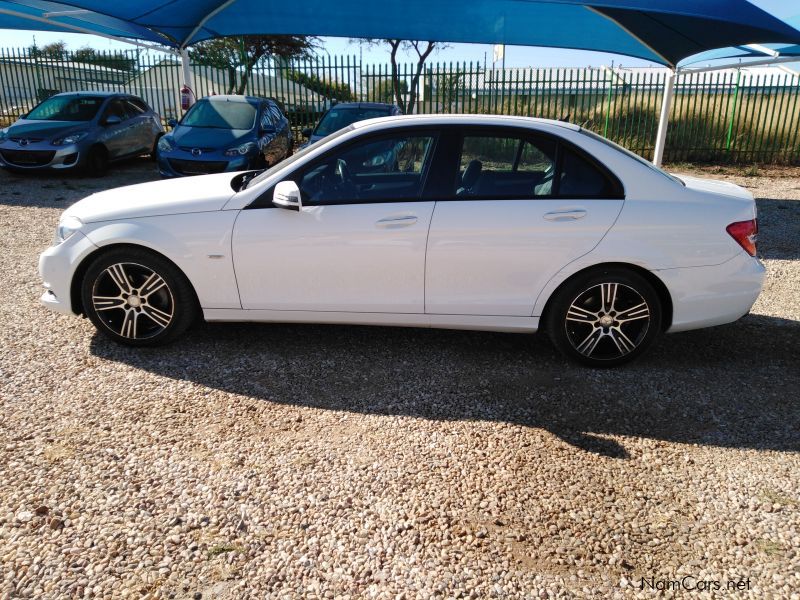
[515, 56]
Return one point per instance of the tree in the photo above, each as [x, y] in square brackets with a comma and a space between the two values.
[423, 50]
[243, 53]
[449, 86]
[54, 50]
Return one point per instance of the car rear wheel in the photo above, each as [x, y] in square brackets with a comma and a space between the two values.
[137, 298]
[605, 317]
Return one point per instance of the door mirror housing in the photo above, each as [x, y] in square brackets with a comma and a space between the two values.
[112, 120]
[287, 195]
[307, 132]
[172, 123]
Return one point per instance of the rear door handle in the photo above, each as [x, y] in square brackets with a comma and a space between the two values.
[398, 221]
[565, 215]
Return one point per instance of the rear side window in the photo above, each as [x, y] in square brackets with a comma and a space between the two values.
[535, 166]
[580, 178]
[133, 108]
[505, 167]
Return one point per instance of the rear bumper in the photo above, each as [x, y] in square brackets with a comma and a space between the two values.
[709, 296]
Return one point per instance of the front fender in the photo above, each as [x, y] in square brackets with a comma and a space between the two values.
[199, 244]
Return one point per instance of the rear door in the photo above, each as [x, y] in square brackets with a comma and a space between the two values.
[521, 207]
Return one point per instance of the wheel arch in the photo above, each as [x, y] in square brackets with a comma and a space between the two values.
[76, 299]
[658, 285]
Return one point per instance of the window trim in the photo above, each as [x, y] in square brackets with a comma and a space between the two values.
[265, 199]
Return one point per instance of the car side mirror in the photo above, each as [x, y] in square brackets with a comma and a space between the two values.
[172, 123]
[112, 120]
[287, 195]
[307, 132]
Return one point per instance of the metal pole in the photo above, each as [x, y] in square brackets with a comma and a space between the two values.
[186, 66]
[663, 122]
[733, 113]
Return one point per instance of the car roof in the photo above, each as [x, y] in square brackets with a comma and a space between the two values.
[234, 98]
[363, 105]
[101, 94]
[464, 120]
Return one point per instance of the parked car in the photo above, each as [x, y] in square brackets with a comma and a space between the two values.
[225, 133]
[484, 222]
[77, 130]
[343, 114]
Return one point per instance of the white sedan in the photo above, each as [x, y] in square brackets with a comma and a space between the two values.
[457, 221]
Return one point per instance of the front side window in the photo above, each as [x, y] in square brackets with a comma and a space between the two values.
[221, 115]
[67, 108]
[506, 167]
[116, 109]
[379, 170]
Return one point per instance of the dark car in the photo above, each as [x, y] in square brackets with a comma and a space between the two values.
[80, 130]
[346, 113]
[226, 133]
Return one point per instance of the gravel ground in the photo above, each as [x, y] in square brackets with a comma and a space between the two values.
[258, 461]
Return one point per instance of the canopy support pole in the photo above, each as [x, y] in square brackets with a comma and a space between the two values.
[663, 122]
[186, 67]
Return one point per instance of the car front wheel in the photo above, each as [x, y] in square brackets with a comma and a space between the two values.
[137, 297]
[605, 318]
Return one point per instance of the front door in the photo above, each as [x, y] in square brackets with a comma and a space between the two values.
[359, 243]
[521, 209]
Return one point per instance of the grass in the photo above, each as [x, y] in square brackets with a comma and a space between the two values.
[769, 547]
[222, 549]
[778, 498]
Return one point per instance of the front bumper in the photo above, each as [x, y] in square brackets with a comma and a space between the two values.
[57, 267]
[39, 156]
[183, 164]
[709, 296]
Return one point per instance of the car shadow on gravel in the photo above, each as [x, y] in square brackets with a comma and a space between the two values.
[730, 386]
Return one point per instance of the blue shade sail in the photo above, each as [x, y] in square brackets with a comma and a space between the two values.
[661, 31]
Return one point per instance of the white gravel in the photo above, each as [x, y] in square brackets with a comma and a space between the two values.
[251, 461]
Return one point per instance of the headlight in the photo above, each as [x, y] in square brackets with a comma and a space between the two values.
[241, 150]
[165, 144]
[72, 138]
[67, 227]
[3, 134]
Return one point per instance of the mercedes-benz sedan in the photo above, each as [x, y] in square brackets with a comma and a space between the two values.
[479, 222]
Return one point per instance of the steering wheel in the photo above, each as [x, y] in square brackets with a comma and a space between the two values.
[343, 172]
[345, 188]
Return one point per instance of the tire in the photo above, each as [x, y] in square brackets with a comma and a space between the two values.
[585, 317]
[138, 298]
[97, 161]
[154, 151]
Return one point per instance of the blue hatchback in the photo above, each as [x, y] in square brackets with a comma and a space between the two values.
[345, 113]
[225, 133]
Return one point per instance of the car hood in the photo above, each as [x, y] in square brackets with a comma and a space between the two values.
[45, 129]
[712, 186]
[206, 137]
[172, 196]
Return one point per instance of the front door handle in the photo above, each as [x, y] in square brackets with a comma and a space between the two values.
[565, 215]
[398, 221]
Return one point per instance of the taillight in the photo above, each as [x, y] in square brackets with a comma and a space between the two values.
[745, 233]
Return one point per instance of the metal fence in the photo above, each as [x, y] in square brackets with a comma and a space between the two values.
[741, 116]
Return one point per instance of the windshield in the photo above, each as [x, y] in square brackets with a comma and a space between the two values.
[221, 115]
[67, 108]
[633, 155]
[337, 118]
[295, 157]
